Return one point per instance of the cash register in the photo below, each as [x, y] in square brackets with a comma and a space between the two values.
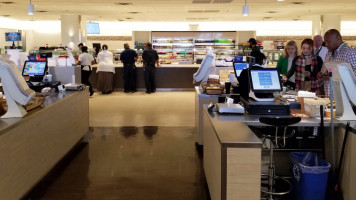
[36, 70]
[263, 83]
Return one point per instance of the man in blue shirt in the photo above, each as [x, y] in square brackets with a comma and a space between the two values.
[128, 57]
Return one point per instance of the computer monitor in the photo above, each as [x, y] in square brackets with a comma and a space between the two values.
[93, 28]
[34, 68]
[12, 36]
[46, 55]
[97, 45]
[265, 80]
[238, 67]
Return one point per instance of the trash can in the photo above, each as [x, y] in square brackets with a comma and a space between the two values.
[309, 175]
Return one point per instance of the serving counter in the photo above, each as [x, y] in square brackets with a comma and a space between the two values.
[31, 146]
[168, 76]
[233, 154]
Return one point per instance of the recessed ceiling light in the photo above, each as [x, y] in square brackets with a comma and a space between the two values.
[280, 0]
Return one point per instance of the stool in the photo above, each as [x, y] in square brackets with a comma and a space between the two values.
[277, 122]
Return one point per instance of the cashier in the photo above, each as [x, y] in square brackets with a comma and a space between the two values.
[244, 84]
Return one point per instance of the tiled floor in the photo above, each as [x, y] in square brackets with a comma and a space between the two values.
[141, 147]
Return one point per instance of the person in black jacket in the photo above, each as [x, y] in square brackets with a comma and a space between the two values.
[150, 58]
[128, 57]
[244, 83]
[253, 46]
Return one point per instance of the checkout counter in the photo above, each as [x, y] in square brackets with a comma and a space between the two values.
[32, 142]
[234, 155]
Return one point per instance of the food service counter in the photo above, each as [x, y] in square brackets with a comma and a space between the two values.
[168, 76]
[233, 154]
[31, 146]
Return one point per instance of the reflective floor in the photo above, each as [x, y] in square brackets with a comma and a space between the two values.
[155, 162]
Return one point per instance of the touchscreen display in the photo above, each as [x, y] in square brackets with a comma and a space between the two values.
[34, 68]
[239, 67]
[265, 80]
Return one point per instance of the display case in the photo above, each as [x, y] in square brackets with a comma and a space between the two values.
[273, 55]
[191, 47]
[174, 50]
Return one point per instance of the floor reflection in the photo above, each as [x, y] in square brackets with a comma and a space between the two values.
[134, 163]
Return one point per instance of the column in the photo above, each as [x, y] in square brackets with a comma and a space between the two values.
[330, 22]
[316, 25]
[71, 31]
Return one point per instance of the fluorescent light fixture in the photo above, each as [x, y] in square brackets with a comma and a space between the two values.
[30, 8]
[280, 0]
[245, 11]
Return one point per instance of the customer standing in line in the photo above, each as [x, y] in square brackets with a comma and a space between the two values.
[150, 58]
[128, 57]
[338, 51]
[253, 45]
[85, 60]
[320, 50]
[106, 71]
[285, 62]
[306, 67]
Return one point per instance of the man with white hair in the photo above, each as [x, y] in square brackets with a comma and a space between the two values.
[319, 49]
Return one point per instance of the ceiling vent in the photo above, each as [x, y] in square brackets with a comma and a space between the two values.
[124, 4]
[41, 11]
[197, 19]
[211, 11]
[7, 2]
[201, 1]
[5, 15]
[195, 11]
[271, 12]
[297, 3]
[134, 12]
[222, 1]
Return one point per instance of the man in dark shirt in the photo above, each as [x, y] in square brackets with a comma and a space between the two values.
[253, 45]
[150, 58]
[128, 57]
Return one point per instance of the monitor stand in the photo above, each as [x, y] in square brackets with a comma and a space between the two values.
[261, 96]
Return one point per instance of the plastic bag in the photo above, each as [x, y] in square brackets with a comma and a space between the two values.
[309, 162]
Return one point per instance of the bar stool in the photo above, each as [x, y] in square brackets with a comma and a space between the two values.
[278, 123]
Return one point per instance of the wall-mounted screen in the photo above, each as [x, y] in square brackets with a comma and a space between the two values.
[12, 36]
[93, 28]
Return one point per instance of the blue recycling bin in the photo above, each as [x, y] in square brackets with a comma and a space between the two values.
[309, 175]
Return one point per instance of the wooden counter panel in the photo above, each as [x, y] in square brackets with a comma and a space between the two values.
[212, 160]
[243, 172]
[29, 150]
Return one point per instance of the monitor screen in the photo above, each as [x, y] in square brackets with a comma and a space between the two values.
[34, 68]
[13, 36]
[93, 28]
[238, 67]
[265, 80]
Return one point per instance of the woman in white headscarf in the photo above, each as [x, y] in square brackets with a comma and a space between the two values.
[106, 71]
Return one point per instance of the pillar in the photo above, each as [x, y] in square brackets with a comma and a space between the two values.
[71, 31]
[330, 22]
[316, 25]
